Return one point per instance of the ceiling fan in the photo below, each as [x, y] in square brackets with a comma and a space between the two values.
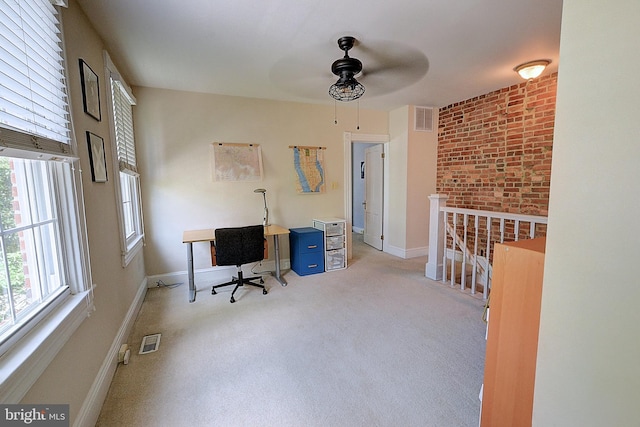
[384, 66]
[347, 88]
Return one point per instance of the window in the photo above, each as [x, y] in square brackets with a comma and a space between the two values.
[44, 277]
[130, 205]
[32, 267]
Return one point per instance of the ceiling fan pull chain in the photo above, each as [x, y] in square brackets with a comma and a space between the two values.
[335, 112]
[358, 116]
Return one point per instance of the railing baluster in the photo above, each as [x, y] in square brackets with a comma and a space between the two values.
[501, 230]
[485, 291]
[453, 249]
[475, 254]
[516, 229]
[532, 230]
[444, 245]
[463, 273]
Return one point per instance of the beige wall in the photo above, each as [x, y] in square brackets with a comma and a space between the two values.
[422, 155]
[412, 170]
[589, 348]
[70, 376]
[396, 234]
[174, 131]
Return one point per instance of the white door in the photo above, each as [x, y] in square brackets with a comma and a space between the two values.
[373, 190]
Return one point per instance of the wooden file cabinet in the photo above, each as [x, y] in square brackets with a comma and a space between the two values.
[512, 340]
[306, 245]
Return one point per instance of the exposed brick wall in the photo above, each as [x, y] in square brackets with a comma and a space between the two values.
[494, 151]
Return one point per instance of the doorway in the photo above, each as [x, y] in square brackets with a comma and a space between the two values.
[367, 214]
[367, 193]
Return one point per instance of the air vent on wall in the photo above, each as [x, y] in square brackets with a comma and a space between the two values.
[423, 120]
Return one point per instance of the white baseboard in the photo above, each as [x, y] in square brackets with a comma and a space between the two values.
[406, 253]
[416, 252]
[206, 277]
[88, 414]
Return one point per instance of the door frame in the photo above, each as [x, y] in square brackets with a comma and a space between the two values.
[353, 138]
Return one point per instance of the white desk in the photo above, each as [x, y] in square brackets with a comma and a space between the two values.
[208, 235]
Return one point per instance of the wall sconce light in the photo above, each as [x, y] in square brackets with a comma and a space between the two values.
[532, 69]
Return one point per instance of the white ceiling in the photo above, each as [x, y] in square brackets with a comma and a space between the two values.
[414, 52]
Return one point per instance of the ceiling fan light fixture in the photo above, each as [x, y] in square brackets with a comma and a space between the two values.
[347, 88]
[532, 69]
[346, 91]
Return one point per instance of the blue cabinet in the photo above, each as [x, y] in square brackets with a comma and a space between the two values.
[306, 247]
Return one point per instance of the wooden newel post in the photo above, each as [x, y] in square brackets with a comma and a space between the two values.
[433, 268]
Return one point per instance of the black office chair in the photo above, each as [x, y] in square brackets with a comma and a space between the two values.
[238, 246]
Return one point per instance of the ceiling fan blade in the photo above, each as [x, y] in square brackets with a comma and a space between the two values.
[392, 57]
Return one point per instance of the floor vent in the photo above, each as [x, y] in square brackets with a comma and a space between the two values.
[150, 343]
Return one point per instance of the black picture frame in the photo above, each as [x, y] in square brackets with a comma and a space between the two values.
[97, 157]
[90, 91]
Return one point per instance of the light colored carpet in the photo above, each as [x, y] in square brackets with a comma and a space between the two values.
[376, 344]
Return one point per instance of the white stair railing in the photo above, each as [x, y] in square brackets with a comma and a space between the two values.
[481, 269]
[465, 237]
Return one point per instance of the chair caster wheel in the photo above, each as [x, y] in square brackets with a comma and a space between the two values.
[213, 292]
[233, 299]
[264, 292]
[261, 280]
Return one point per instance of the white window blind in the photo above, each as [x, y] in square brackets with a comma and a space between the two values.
[130, 206]
[123, 121]
[45, 281]
[33, 100]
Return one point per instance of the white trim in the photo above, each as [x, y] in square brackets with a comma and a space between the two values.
[28, 359]
[416, 252]
[497, 215]
[41, 313]
[394, 250]
[90, 410]
[206, 277]
[112, 71]
[406, 253]
[132, 251]
[128, 249]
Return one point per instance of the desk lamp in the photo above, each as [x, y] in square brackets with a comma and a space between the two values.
[265, 221]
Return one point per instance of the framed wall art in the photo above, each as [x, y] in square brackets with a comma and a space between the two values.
[97, 158]
[90, 91]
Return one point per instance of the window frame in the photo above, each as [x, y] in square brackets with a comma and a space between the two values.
[32, 194]
[125, 169]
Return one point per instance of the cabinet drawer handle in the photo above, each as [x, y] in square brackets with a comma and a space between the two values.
[312, 266]
[312, 246]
